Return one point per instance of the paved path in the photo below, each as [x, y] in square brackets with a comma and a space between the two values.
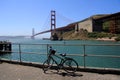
[19, 72]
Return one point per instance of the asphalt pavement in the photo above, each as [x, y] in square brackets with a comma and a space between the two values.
[19, 72]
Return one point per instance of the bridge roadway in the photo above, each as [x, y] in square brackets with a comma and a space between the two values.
[68, 27]
[19, 72]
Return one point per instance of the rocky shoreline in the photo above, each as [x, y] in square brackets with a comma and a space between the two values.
[106, 39]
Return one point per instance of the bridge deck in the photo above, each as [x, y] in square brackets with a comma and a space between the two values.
[19, 72]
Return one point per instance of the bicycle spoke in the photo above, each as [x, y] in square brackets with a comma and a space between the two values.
[47, 65]
[70, 65]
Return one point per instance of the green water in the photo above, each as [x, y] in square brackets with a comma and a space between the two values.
[70, 47]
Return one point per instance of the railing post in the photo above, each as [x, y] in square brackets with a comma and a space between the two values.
[20, 53]
[84, 55]
[47, 49]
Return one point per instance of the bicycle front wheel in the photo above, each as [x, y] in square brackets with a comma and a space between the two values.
[70, 65]
[47, 65]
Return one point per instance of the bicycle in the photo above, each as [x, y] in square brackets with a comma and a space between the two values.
[66, 63]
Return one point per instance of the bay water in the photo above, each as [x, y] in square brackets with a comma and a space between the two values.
[37, 49]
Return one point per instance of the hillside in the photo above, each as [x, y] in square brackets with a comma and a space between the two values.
[71, 35]
[84, 35]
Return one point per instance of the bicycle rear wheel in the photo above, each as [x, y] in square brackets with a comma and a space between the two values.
[70, 65]
[47, 65]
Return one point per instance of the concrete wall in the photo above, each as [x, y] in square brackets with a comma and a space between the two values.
[86, 24]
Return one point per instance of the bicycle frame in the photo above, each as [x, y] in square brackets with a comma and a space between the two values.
[58, 64]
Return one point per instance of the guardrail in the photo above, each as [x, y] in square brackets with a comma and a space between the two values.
[84, 54]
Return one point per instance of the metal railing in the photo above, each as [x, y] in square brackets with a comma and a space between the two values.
[84, 54]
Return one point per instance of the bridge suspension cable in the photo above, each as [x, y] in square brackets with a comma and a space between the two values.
[51, 23]
[62, 20]
[46, 25]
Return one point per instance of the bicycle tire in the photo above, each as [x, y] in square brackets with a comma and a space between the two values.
[70, 65]
[47, 65]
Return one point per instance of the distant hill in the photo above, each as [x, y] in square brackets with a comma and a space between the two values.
[4, 37]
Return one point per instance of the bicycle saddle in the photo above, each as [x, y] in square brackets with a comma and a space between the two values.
[64, 54]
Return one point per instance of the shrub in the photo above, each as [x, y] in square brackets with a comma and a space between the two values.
[117, 39]
[93, 35]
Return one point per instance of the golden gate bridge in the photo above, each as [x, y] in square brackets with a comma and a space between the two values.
[53, 28]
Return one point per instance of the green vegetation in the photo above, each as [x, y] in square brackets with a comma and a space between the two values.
[72, 35]
[100, 35]
[106, 26]
[84, 35]
[117, 38]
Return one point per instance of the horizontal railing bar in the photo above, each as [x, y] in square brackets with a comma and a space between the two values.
[27, 44]
[5, 51]
[70, 44]
[30, 52]
[102, 44]
[34, 53]
[112, 56]
[92, 55]
[89, 55]
[75, 54]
